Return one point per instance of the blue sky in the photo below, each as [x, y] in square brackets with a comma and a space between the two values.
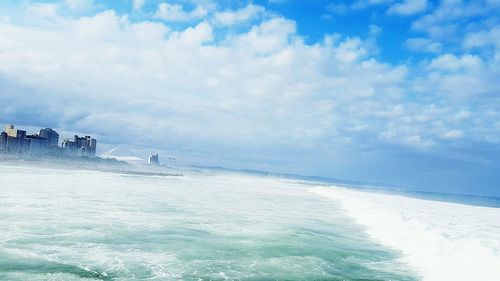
[398, 91]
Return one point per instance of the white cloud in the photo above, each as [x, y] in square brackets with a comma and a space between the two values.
[269, 37]
[462, 115]
[79, 5]
[423, 45]
[449, 62]
[395, 111]
[483, 38]
[42, 10]
[176, 12]
[210, 91]
[453, 134]
[416, 140]
[463, 80]
[362, 4]
[374, 30]
[254, 89]
[401, 7]
[234, 17]
[194, 36]
[102, 26]
[451, 20]
[408, 7]
[338, 7]
[351, 50]
[138, 4]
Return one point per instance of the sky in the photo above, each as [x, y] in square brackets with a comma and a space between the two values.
[405, 92]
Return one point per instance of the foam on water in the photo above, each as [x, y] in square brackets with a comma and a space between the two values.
[86, 225]
[442, 241]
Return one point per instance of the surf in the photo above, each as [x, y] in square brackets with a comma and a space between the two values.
[440, 240]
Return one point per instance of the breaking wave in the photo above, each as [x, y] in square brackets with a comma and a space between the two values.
[440, 240]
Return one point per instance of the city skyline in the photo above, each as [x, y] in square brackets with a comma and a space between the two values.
[398, 91]
[16, 142]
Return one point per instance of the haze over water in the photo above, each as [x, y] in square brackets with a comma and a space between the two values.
[84, 225]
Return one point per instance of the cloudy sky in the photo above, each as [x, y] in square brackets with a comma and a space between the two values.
[398, 91]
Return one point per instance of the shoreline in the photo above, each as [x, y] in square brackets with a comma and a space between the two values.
[101, 165]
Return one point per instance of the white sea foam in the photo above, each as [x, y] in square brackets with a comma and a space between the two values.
[440, 240]
[78, 225]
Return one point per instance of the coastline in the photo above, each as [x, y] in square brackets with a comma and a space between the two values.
[92, 164]
[371, 187]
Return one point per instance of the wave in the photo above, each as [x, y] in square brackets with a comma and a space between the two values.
[42, 266]
[440, 240]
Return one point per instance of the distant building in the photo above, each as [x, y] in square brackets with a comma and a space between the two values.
[69, 147]
[153, 159]
[36, 144]
[10, 130]
[89, 146]
[3, 142]
[80, 146]
[11, 145]
[92, 144]
[80, 142]
[51, 136]
[16, 140]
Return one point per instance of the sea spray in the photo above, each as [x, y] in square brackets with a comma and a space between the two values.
[441, 240]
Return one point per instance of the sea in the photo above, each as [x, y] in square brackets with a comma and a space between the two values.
[58, 224]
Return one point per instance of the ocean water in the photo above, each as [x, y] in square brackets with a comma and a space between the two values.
[88, 225]
[440, 240]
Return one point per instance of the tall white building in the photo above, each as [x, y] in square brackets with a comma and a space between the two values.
[153, 159]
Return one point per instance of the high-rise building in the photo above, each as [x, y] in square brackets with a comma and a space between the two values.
[16, 139]
[153, 159]
[81, 146]
[51, 136]
[91, 145]
[11, 132]
[68, 146]
[3, 142]
[79, 141]
[35, 144]
[11, 145]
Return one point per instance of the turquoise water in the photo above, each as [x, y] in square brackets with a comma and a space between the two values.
[85, 225]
